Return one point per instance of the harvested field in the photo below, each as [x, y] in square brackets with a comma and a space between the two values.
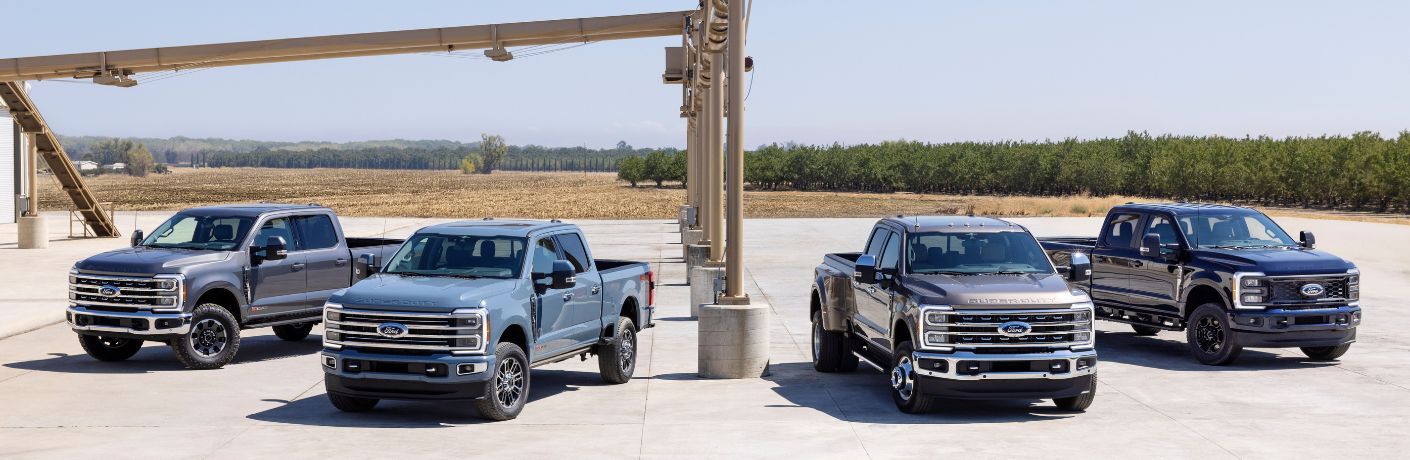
[402, 193]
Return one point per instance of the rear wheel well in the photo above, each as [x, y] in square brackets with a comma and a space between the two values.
[629, 311]
[224, 298]
[1201, 295]
[515, 335]
[815, 305]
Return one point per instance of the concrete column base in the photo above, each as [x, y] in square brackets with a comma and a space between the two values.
[696, 255]
[734, 341]
[688, 237]
[34, 233]
[706, 281]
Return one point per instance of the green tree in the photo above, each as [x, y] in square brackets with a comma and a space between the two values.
[632, 170]
[492, 152]
[470, 163]
[139, 161]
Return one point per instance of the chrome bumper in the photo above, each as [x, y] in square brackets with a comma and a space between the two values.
[953, 361]
[82, 319]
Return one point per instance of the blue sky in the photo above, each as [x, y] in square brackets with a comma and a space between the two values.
[827, 71]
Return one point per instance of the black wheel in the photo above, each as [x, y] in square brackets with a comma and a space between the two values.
[1080, 402]
[293, 332]
[109, 348]
[1145, 331]
[831, 352]
[906, 388]
[351, 404]
[1209, 336]
[508, 387]
[617, 360]
[213, 341]
[1326, 353]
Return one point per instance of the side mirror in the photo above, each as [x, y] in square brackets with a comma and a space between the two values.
[1150, 245]
[371, 263]
[1079, 267]
[865, 271]
[1307, 240]
[138, 236]
[563, 276]
[275, 248]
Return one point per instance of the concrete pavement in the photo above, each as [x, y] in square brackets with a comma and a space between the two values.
[1153, 399]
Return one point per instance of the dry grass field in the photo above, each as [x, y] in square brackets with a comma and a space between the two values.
[399, 193]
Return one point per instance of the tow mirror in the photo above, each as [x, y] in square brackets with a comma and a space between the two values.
[1150, 245]
[371, 263]
[137, 237]
[1079, 267]
[1307, 239]
[865, 271]
[275, 248]
[563, 276]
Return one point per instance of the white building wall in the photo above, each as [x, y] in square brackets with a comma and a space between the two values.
[9, 167]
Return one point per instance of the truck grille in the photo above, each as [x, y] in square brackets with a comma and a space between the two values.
[1289, 290]
[129, 294]
[404, 332]
[984, 329]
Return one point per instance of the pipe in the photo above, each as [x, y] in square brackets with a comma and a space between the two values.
[734, 259]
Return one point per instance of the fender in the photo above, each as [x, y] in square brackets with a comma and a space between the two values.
[1205, 279]
[835, 301]
[194, 293]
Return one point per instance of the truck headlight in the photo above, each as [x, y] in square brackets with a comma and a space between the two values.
[1353, 284]
[472, 330]
[934, 318]
[1252, 282]
[166, 285]
[1249, 288]
[332, 312]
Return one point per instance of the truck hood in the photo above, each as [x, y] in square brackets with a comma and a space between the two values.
[1277, 261]
[421, 293]
[145, 260]
[992, 290]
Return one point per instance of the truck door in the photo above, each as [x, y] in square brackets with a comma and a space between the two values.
[278, 286]
[329, 262]
[553, 324]
[583, 302]
[874, 300]
[1154, 281]
[1113, 259]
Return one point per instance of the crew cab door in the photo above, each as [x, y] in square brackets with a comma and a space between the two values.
[1154, 282]
[1114, 259]
[277, 286]
[582, 303]
[874, 300]
[329, 262]
[552, 322]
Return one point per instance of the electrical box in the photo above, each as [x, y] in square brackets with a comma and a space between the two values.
[675, 66]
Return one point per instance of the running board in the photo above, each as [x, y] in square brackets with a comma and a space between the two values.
[1140, 319]
[868, 361]
[565, 356]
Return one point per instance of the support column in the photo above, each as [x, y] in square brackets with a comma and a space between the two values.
[734, 201]
[33, 233]
[714, 111]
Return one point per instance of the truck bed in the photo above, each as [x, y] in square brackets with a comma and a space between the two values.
[607, 265]
[355, 243]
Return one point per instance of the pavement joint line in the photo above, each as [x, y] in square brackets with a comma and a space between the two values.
[1167, 416]
[1372, 377]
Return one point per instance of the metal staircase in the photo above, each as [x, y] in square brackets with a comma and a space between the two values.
[30, 121]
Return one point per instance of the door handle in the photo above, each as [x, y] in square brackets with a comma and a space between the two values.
[567, 297]
[340, 262]
[298, 266]
[596, 289]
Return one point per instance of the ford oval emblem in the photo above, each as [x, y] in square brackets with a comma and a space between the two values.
[1312, 290]
[1014, 329]
[109, 291]
[392, 330]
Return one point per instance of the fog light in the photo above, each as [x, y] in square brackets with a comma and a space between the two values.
[1085, 363]
[330, 362]
[1082, 337]
[468, 368]
[1250, 298]
[1253, 321]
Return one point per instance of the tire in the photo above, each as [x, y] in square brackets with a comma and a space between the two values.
[351, 404]
[293, 332]
[1081, 402]
[213, 340]
[906, 390]
[1209, 337]
[109, 348]
[508, 387]
[1326, 353]
[831, 352]
[617, 360]
[1145, 331]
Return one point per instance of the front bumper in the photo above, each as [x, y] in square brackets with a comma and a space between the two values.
[144, 325]
[967, 375]
[389, 376]
[1279, 328]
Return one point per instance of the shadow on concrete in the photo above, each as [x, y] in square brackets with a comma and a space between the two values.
[157, 357]
[674, 318]
[1167, 351]
[317, 411]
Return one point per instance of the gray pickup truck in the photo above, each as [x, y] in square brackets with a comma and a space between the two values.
[463, 310]
[208, 272]
[957, 307]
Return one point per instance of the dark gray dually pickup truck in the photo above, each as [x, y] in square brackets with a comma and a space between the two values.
[208, 272]
[465, 309]
[956, 307]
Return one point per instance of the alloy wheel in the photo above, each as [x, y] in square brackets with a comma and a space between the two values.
[1209, 334]
[209, 337]
[509, 382]
[627, 353]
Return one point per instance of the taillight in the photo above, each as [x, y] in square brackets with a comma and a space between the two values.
[651, 288]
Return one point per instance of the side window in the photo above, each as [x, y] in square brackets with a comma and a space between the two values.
[276, 227]
[878, 237]
[1162, 226]
[891, 256]
[545, 253]
[317, 232]
[572, 245]
[1121, 233]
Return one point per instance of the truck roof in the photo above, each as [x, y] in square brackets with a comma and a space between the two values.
[1178, 207]
[250, 209]
[950, 223]
[507, 227]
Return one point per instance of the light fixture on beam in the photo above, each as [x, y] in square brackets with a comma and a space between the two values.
[113, 79]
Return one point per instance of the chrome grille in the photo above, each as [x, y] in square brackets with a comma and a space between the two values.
[423, 333]
[982, 328]
[121, 293]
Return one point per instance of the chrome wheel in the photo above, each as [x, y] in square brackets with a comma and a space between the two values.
[509, 382]
[209, 337]
[817, 341]
[903, 378]
[1209, 334]
[627, 354]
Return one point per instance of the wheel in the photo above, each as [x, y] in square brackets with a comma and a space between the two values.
[1080, 402]
[1324, 353]
[351, 404]
[1145, 331]
[508, 388]
[213, 341]
[617, 360]
[1209, 336]
[831, 352]
[906, 389]
[293, 332]
[109, 348]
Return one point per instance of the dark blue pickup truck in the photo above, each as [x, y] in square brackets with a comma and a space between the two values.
[1228, 276]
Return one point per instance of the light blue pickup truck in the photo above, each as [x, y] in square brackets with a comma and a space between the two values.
[463, 310]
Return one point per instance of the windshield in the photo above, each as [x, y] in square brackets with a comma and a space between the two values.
[1233, 230]
[212, 233]
[462, 256]
[976, 253]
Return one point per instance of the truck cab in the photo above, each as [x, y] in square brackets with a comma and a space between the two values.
[1229, 276]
